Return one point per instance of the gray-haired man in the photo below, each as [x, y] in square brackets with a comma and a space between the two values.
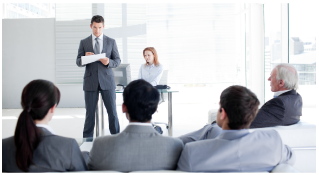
[286, 106]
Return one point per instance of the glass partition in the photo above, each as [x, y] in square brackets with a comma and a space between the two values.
[302, 53]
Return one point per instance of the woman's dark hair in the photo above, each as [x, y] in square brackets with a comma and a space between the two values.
[37, 98]
[141, 100]
[241, 106]
[97, 19]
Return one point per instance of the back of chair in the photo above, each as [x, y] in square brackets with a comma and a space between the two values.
[284, 168]
[164, 78]
[164, 81]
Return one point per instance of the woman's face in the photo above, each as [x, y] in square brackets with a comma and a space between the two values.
[149, 57]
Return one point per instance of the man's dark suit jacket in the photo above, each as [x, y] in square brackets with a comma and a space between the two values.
[283, 110]
[97, 73]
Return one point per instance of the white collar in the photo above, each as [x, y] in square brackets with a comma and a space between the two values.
[141, 124]
[276, 94]
[100, 37]
[230, 130]
[46, 127]
[152, 65]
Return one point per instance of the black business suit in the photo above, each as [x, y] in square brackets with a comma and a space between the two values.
[283, 110]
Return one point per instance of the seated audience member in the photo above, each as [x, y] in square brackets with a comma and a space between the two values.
[286, 106]
[139, 146]
[152, 70]
[35, 147]
[284, 109]
[235, 149]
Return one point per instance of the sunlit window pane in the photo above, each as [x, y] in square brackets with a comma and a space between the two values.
[302, 53]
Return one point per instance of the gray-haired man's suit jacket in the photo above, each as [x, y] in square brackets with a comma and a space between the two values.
[54, 153]
[97, 72]
[135, 148]
[236, 151]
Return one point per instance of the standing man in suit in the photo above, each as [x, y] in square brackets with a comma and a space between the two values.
[139, 147]
[98, 76]
[286, 106]
[235, 149]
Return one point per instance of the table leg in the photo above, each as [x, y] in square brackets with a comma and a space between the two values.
[97, 120]
[102, 116]
[170, 122]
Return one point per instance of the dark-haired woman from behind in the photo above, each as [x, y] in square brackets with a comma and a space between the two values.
[34, 146]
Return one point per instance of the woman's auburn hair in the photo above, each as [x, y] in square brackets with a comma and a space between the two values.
[152, 49]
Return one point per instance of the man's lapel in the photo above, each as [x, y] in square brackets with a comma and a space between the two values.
[104, 44]
[89, 41]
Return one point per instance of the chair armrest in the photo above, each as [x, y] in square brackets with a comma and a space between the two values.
[284, 168]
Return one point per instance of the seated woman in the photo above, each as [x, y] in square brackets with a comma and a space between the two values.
[34, 146]
[152, 70]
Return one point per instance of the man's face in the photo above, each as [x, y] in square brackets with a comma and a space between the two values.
[97, 28]
[273, 81]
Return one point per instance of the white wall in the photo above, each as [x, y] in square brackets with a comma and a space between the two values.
[28, 53]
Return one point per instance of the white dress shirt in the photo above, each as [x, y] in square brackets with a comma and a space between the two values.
[141, 124]
[151, 73]
[276, 94]
[100, 42]
[46, 127]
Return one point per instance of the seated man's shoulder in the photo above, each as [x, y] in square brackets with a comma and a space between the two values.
[275, 104]
[171, 140]
[289, 95]
[275, 101]
[265, 134]
[107, 138]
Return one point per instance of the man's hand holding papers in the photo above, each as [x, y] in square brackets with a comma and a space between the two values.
[105, 60]
[89, 53]
[90, 57]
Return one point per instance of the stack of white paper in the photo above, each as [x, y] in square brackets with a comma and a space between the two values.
[91, 58]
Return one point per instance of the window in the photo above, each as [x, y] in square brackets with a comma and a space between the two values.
[202, 45]
[28, 10]
[273, 42]
[302, 53]
[290, 38]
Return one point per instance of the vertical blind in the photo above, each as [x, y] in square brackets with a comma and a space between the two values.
[72, 25]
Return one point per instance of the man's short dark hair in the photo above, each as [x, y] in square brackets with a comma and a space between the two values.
[97, 19]
[141, 100]
[240, 105]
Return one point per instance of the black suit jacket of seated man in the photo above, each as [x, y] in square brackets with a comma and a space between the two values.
[283, 110]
